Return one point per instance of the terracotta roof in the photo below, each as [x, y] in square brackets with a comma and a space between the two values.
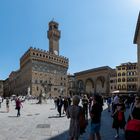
[137, 30]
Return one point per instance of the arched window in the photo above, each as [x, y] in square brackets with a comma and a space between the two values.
[119, 79]
[123, 80]
[123, 87]
[119, 74]
[119, 86]
[135, 73]
[123, 74]
[37, 88]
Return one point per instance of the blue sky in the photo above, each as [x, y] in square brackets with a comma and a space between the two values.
[94, 33]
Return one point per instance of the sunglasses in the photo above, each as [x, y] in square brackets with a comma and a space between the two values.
[137, 98]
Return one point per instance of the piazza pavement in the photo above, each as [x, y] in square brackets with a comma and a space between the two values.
[41, 122]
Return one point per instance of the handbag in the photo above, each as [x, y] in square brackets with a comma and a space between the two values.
[133, 125]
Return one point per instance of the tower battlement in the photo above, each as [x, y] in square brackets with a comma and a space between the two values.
[44, 56]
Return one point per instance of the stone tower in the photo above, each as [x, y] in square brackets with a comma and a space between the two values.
[53, 36]
[137, 41]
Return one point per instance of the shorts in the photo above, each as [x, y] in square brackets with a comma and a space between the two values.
[94, 128]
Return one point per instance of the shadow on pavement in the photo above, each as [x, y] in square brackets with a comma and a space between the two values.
[3, 112]
[13, 116]
[52, 108]
[62, 136]
[107, 132]
[55, 117]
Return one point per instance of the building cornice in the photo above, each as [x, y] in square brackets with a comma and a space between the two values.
[93, 70]
[137, 30]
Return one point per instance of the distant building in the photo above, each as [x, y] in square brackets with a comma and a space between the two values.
[94, 80]
[1, 88]
[41, 71]
[6, 88]
[127, 77]
[113, 80]
[137, 41]
[71, 86]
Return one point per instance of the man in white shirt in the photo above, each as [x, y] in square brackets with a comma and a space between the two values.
[115, 102]
[116, 99]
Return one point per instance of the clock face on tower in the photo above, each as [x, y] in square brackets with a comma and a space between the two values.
[55, 52]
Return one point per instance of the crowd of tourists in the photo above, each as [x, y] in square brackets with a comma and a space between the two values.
[80, 107]
[86, 111]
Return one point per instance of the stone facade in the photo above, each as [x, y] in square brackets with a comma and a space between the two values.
[71, 85]
[41, 71]
[113, 80]
[6, 88]
[137, 41]
[93, 81]
[1, 88]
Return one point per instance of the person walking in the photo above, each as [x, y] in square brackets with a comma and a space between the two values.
[7, 104]
[109, 103]
[59, 105]
[85, 105]
[115, 102]
[95, 115]
[119, 117]
[18, 106]
[73, 112]
[55, 102]
[65, 105]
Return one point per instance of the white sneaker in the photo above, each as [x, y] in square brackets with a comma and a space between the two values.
[116, 136]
